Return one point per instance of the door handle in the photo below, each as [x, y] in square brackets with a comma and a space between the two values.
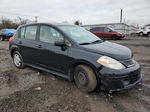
[39, 46]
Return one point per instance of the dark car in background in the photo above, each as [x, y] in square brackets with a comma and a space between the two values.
[6, 34]
[105, 32]
[76, 54]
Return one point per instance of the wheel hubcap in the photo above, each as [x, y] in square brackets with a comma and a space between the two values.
[17, 60]
[114, 37]
[82, 78]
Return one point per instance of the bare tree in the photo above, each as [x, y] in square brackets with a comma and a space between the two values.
[12, 23]
[23, 21]
[76, 23]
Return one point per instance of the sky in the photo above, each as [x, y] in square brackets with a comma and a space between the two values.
[86, 11]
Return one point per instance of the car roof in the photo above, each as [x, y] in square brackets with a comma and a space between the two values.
[99, 27]
[54, 24]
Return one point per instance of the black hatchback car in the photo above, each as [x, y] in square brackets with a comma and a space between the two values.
[76, 54]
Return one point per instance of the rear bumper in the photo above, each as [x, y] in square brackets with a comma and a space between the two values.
[117, 80]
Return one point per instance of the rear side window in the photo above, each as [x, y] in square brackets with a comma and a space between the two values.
[49, 34]
[22, 32]
[30, 32]
[97, 29]
[101, 29]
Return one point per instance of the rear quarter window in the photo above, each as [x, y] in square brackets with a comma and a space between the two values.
[93, 29]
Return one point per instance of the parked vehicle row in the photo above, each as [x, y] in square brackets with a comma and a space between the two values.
[147, 31]
[76, 54]
[104, 32]
[140, 31]
[6, 34]
[144, 31]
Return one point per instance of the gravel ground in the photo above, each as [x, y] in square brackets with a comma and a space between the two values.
[30, 90]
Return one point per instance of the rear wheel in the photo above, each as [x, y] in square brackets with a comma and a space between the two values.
[17, 59]
[85, 78]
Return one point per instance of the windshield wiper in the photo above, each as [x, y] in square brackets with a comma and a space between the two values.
[97, 41]
[85, 43]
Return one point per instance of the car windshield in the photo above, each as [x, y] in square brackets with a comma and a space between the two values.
[80, 35]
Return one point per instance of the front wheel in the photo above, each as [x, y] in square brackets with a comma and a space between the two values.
[85, 78]
[148, 34]
[141, 34]
[17, 59]
[114, 37]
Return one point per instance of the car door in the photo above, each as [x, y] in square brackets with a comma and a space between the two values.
[97, 32]
[101, 32]
[50, 56]
[28, 44]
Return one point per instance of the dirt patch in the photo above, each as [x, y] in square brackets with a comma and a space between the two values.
[30, 90]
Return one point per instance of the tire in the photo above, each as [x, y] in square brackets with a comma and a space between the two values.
[85, 78]
[140, 34]
[148, 34]
[17, 60]
[2, 38]
[114, 37]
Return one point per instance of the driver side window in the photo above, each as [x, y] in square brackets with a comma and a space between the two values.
[50, 35]
[107, 30]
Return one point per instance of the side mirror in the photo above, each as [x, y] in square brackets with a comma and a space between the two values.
[59, 43]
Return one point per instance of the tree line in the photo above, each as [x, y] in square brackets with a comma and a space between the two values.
[6, 23]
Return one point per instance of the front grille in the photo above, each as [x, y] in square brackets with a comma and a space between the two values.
[121, 81]
[129, 63]
[134, 77]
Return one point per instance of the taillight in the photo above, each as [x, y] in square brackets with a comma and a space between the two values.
[11, 39]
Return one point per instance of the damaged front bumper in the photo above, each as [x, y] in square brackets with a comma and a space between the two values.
[117, 80]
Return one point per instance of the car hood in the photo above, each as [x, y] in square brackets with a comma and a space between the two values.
[110, 49]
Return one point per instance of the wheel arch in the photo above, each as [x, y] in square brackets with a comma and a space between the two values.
[114, 35]
[13, 49]
[82, 62]
[148, 32]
